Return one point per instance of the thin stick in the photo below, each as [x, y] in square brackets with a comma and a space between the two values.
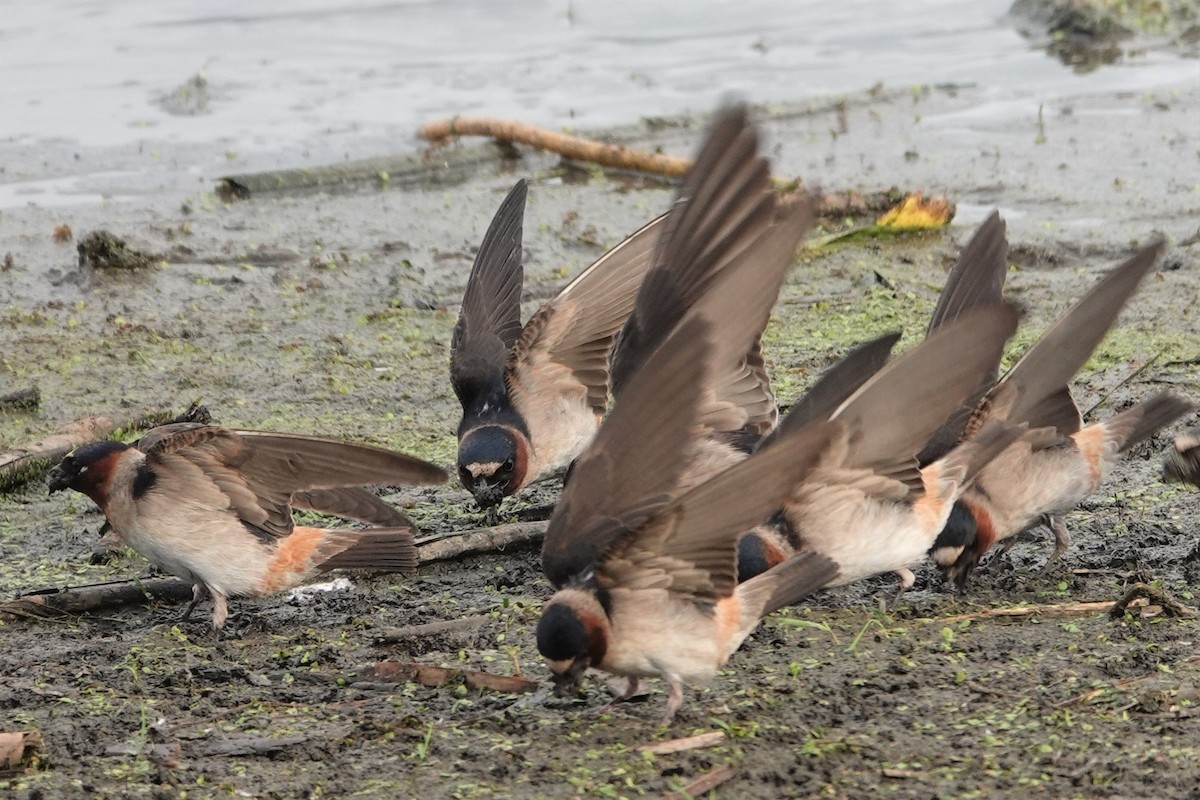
[1122, 382]
[710, 739]
[618, 156]
[704, 784]
[1059, 610]
[479, 540]
[82, 599]
[1135, 592]
[574, 147]
[404, 634]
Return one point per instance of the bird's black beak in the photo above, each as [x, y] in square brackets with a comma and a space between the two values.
[567, 683]
[59, 479]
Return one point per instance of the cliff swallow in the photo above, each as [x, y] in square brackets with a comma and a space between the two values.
[214, 505]
[1042, 476]
[532, 397]
[976, 281]
[1036, 392]
[1182, 462]
[646, 577]
[867, 506]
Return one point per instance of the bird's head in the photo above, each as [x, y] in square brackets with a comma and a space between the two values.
[492, 462]
[572, 635]
[88, 469]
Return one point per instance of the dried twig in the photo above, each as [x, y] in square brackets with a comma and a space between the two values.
[1056, 610]
[32, 460]
[463, 625]
[703, 784]
[81, 599]
[710, 739]
[574, 147]
[478, 540]
[621, 157]
[1122, 382]
[1136, 592]
[426, 675]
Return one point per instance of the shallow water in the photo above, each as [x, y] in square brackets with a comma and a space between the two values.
[293, 83]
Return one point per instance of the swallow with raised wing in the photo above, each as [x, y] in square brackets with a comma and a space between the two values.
[646, 576]
[723, 253]
[214, 505]
[533, 396]
[868, 506]
[1058, 462]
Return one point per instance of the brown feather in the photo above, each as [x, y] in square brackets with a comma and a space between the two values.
[724, 205]
[352, 503]
[977, 278]
[489, 323]
[692, 544]
[596, 304]
[631, 469]
[933, 377]
[1053, 361]
[259, 472]
[376, 550]
[837, 384]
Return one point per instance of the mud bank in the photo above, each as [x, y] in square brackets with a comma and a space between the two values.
[332, 313]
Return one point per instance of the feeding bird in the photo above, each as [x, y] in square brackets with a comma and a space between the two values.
[533, 396]
[1058, 462]
[214, 505]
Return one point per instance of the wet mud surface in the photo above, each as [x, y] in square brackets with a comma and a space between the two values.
[331, 313]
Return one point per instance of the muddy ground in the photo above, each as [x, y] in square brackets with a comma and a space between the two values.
[331, 313]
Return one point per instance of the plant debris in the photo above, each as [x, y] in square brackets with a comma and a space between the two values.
[102, 250]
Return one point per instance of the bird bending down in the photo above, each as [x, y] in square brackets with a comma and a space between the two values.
[214, 505]
[646, 576]
[1054, 466]
[533, 396]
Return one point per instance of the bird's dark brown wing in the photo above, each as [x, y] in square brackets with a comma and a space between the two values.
[489, 323]
[976, 279]
[725, 203]
[259, 472]
[690, 547]
[902, 404]
[631, 469]
[1053, 361]
[836, 385]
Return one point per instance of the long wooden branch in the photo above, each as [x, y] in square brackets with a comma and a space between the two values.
[618, 156]
[573, 147]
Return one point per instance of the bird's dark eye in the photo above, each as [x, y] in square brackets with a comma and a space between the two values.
[508, 465]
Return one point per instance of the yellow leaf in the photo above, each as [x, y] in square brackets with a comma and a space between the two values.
[918, 212]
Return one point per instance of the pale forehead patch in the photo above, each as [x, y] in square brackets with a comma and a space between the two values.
[485, 469]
